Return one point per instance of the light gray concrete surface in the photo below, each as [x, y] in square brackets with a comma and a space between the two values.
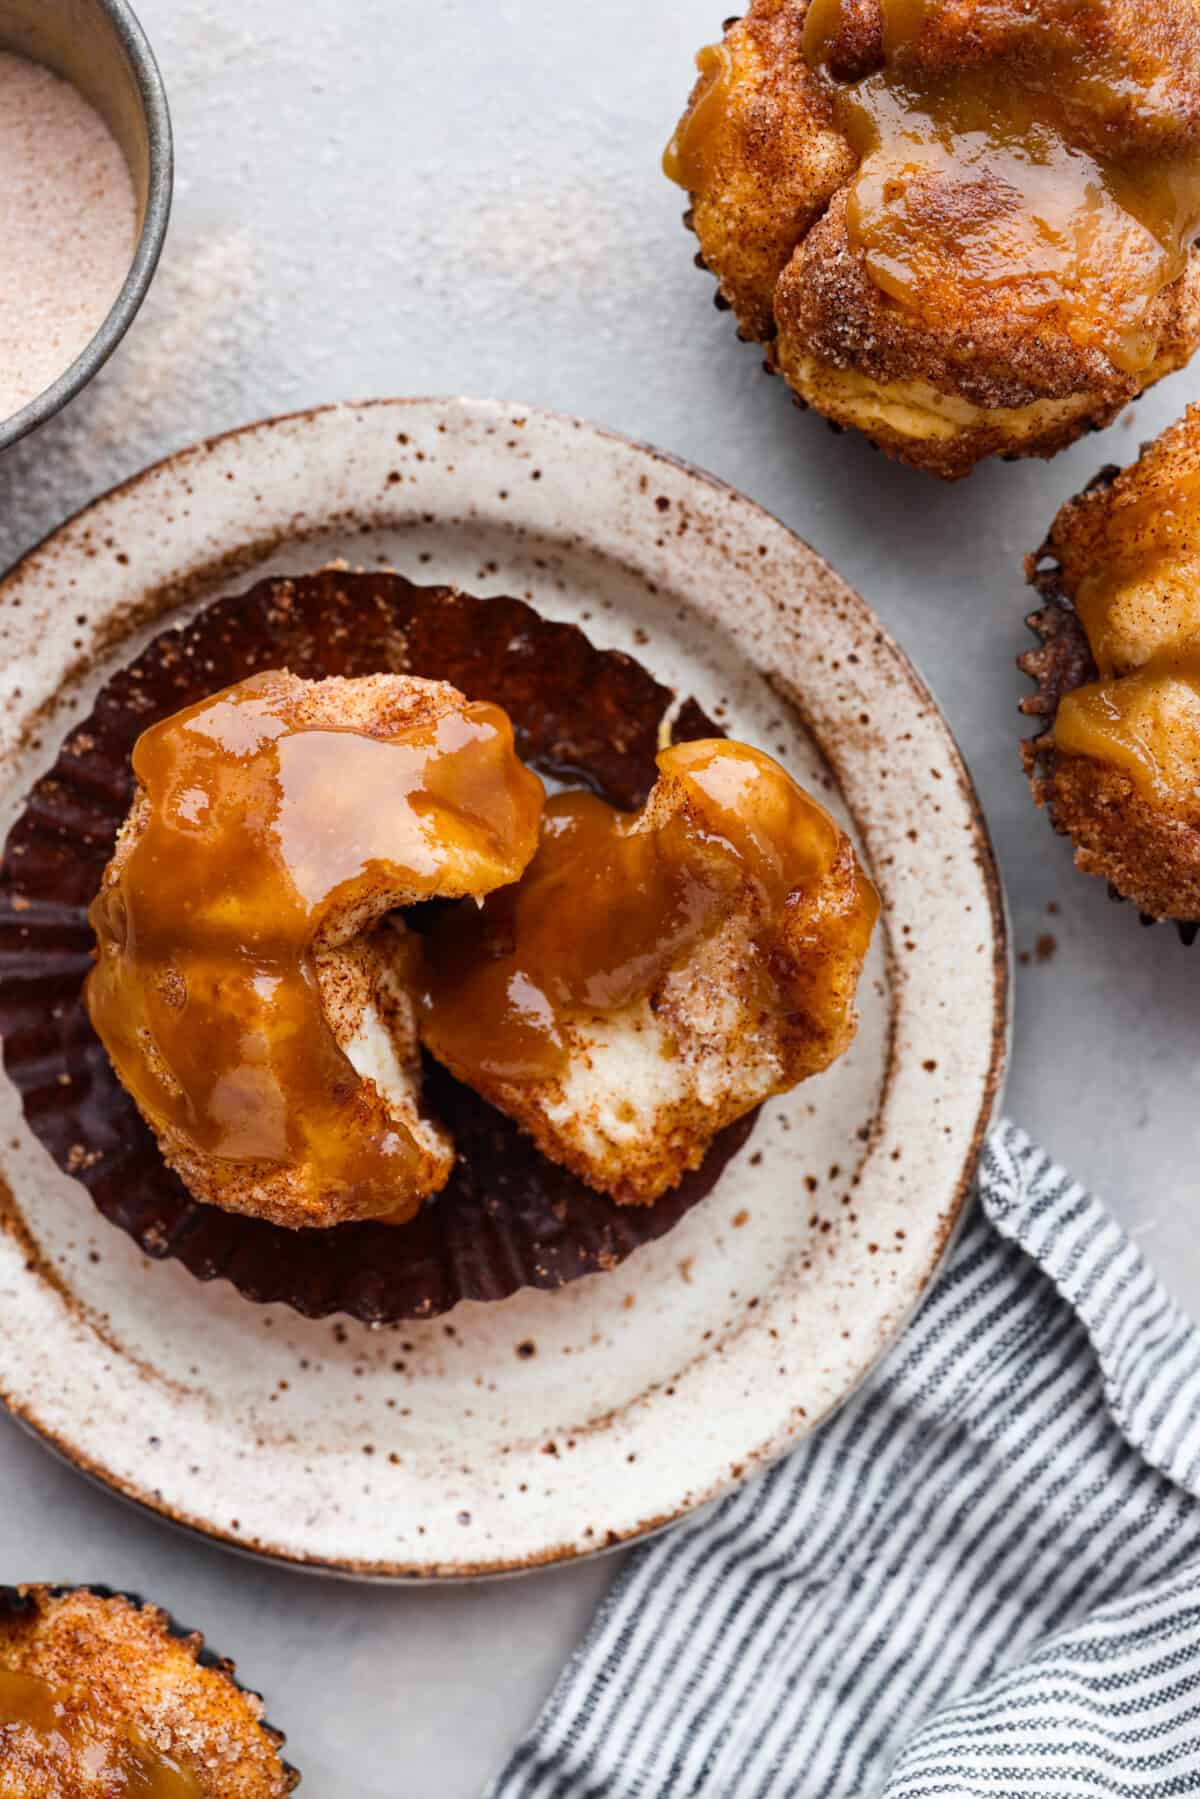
[379, 197]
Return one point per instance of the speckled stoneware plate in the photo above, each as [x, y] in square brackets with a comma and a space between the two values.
[548, 1425]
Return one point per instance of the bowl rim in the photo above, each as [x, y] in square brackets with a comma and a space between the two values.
[187, 466]
[124, 309]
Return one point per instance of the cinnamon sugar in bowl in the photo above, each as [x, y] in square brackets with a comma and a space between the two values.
[85, 192]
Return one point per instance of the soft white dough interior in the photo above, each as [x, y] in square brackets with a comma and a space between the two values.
[371, 1053]
[617, 1081]
[624, 1077]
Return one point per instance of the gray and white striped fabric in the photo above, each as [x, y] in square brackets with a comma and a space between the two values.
[980, 1580]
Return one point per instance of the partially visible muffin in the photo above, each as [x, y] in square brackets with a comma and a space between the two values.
[1117, 761]
[252, 985]
[99, 1697]
[657, 975]
[760, 155]
[963, 228]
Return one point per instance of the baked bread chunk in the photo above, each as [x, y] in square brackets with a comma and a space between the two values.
[658, 974]
[964, 227]
[252, 986]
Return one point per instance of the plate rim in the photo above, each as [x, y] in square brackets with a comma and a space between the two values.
[955, 1208]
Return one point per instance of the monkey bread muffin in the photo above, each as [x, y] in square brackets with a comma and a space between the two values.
[249, 983]
[295, 951]
[657, 975]
[100, 1696]
[964, 227]
[263, 1000]
[1117, 761]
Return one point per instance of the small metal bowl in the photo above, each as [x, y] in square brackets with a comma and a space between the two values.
[99, 47]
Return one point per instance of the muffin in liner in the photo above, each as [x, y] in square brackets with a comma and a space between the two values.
[231, 1713]
[836, 223]
[1062, 662]
[508, 1218]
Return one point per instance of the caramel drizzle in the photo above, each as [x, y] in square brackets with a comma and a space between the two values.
[975, 184]
[1147, 724]
[259, 830]
[42, 1728]
[689, 157]
[613, 901]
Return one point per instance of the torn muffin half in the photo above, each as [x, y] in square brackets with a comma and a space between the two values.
[1116, 763]
[99, 1695]
[658, 974]
[251, 984]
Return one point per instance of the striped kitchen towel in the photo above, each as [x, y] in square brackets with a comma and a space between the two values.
[980, 1580]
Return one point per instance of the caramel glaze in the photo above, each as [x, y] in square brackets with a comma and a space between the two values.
[608, 907]
[1004, 179]
[1146, 723]
[687, 159]
[257, 829]
[44, 1733]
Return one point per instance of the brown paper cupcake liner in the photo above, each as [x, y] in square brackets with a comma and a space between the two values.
[508, 1218]
[1063, 659]
[17, 1602]
[1062, 662]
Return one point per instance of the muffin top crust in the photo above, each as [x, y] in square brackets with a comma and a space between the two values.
[99, 1699]
[964, 226]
